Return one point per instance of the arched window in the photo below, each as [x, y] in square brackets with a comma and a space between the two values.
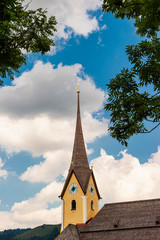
[73, 205]
[92, 205]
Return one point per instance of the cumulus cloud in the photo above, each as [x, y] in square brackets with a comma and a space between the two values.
[34, 211]
[72, 16]
[58, 160]
[55, 164]
[126, 179]
[38, 114]
[51, 91]
[49, 194]
[3, 173]
[37, 135]
[14, 220]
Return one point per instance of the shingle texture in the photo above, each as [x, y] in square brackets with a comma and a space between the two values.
[71, 233]
[79, 163]
[132, 234]
[79, 156]
[138, 220]
[126, 215]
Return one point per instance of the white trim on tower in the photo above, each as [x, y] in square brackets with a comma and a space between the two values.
[84, 209]
[62, 213]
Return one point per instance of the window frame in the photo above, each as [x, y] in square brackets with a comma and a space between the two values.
[75, 206]
[92, 205]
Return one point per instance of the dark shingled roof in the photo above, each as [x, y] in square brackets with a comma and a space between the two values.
[71, 233]
[137, 220]
[79, 163]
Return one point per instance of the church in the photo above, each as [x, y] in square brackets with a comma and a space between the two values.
[81, 218]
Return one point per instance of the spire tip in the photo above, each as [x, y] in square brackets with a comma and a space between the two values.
[78, 91]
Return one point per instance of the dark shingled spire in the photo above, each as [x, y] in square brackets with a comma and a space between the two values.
[79, 163]
[79, 156]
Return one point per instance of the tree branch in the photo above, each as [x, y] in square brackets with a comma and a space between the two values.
[4, 14]
[26, 6]
[151, 129]
[156, 94]
[132, 4]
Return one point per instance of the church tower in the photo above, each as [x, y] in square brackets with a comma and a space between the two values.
[80, 195]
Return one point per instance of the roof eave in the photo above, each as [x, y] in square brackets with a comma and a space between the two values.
[67, 181]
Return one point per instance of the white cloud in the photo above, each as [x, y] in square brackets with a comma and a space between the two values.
[34, 211]
[58, 160]
[45, 90]
[72, 16]
[40, 201]
[14, 220]
[126, 179]
[3, 173]
[38, 114]
[94, 128]
[104, 27]
[38, 135]
[55, 164]
[155, 157]
[118, 180]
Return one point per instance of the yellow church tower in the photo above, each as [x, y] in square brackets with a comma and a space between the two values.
[80, 195]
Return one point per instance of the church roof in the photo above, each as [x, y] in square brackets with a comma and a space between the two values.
[138, 220]
[70, 233]
[126, 215]
[79, 163]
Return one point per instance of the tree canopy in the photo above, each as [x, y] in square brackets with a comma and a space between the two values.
[134, 94]
[146, 13]
[22, 30]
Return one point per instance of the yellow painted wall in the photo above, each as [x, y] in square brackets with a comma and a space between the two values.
[91, 213]
[73, 216]
[76, 216]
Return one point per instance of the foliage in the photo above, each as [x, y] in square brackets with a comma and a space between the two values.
[10, 234]
[47, 232]
[44, 232]
[22, 30]
[131, 105]
[134, 94]
[145, 12]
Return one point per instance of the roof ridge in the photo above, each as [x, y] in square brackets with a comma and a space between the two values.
[117, 229]
[130, 202]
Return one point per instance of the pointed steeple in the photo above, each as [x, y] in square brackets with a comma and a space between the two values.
[79, 163]
[80, 189]
[79, 156]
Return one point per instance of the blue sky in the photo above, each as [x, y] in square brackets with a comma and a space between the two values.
[38, 111]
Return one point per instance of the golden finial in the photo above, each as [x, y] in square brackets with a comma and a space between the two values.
[92, 165]
[72, 164]
[78, 91]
